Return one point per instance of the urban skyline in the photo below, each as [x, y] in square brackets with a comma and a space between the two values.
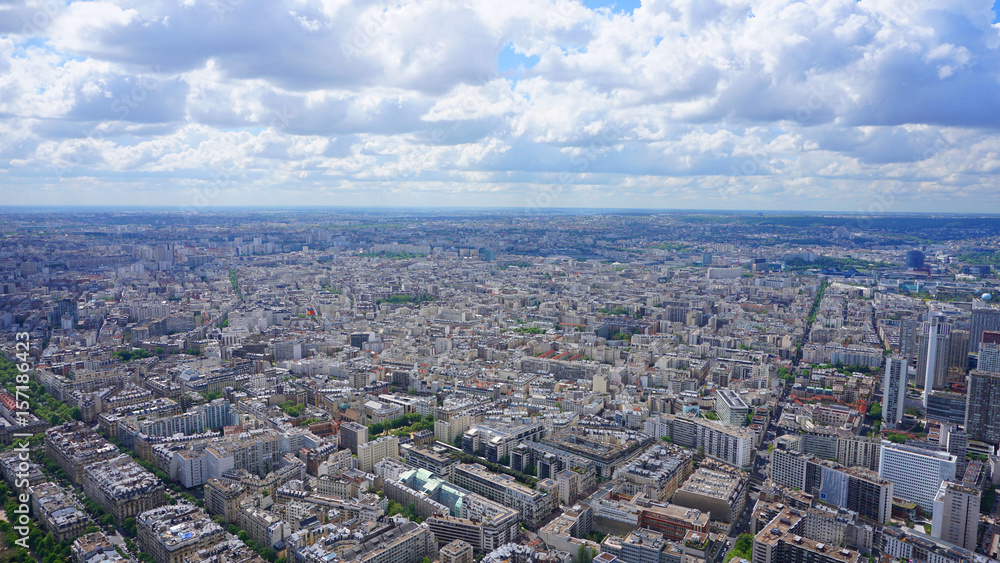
[481, 281]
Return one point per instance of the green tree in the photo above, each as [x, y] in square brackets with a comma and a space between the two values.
[897, 438]
[875, 411]
[743, 548]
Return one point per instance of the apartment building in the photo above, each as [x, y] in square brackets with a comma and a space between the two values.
[171, 533]
[956, 514]
[437, 462]
[912, 546]
[58, 511]
[352, 435]
[403, 543]
[855, 488]
[122, 487]
[456, 551]
[232, 551]
[657, 473]
[370, 453]
[222, 498]
[781, 542]
[729, 444]
[532, 505]
[74, 445]
[94, 548]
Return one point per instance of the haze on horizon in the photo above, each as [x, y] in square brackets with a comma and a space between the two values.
[841, 105]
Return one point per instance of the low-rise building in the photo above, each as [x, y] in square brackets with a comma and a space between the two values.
[673, 521]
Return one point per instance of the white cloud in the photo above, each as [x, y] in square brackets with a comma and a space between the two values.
[682, 103]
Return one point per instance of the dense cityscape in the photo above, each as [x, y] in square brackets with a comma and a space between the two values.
[461, 385]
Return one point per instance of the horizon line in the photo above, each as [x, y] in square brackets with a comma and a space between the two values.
[4, 208]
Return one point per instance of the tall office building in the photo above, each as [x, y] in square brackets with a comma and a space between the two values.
[932, 355]
[164, 255]
[989, 352]
[958, 349]
[352, 435]
[893, 391]
[915, 473]
[945, 406]
[984, 318]
[908, 339]
[956, 515]
[982, 406]
[64, 307]
[914, 259]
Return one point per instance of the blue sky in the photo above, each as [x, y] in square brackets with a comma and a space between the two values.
[839, 105]
[625, 6]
